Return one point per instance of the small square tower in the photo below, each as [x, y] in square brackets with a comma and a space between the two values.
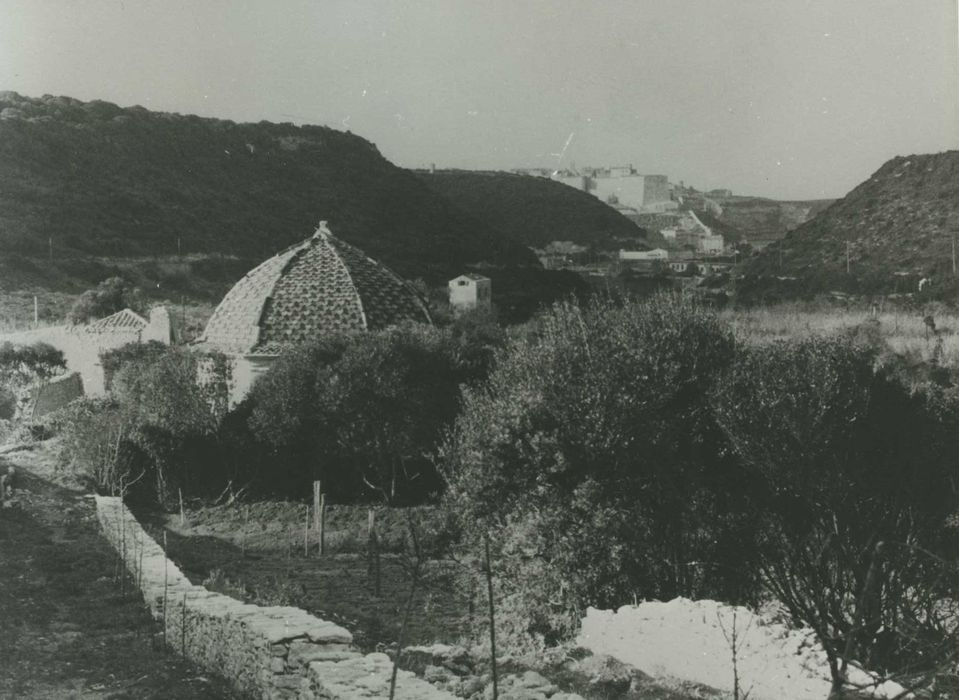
[470, 291]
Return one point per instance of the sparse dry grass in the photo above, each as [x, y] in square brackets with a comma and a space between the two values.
[904, 331]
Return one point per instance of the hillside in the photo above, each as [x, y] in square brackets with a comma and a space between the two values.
[90, 189]
[760, 220]
[895, 227]
[534, 210]
[755, 220]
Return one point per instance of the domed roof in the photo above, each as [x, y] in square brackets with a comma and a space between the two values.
[322, 285]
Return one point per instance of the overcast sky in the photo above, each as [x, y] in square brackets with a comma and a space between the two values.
[783, 98]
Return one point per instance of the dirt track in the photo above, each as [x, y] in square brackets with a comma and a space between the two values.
[65, 629]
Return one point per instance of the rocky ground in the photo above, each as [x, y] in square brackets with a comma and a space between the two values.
[563, 674]
[66, 629]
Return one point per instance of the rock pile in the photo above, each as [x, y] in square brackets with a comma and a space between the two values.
[453, 669]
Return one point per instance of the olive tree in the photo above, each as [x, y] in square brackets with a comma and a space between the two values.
[362, 412]
[856, 474]
[592, 462]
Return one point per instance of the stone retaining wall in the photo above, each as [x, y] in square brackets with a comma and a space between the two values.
[266, 652]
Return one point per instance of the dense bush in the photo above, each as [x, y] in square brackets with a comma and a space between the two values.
[592, 463]
[23, 367]
[856, 474]
[361, 412]
[159, 430]
[138, 354]
[108, 297]
[637, 452]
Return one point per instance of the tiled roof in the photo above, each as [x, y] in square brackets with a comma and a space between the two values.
[124, 320]
[472, 276]
[320, 286]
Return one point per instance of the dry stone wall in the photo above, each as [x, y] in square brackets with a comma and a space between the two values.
[266, 652]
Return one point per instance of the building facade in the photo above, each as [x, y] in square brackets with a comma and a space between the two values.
[621, 185]
[470, 291]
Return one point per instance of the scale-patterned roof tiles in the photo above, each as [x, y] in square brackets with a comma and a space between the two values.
[320, 286]
[123, 320]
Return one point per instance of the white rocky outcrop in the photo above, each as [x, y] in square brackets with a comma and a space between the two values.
[685, 639]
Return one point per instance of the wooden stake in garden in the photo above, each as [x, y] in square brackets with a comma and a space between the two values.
[246, 522]
[492, 618]
[183, 629]
[321, 529]
[166, 586]
[319, 513]
[306, 533]
[140, 564]
[373, 565]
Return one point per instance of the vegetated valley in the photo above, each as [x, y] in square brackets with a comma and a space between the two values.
[508, 477]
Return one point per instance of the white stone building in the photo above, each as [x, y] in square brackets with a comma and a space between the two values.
[654, 254]
[470, 291]
[82, 345]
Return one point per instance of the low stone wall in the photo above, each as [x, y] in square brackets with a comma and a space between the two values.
[266, 652]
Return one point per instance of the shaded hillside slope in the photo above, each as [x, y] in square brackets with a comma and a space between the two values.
[895, 227]
[755, 220]
[81, 180]
[534, 210]
[760, 220]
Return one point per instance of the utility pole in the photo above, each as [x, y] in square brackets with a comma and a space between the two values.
[50, 247]
[953, 254]
[36, 315]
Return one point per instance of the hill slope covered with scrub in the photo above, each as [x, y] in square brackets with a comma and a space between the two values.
[895, 228]
[758, 219]
[88, 186]
[534, 210]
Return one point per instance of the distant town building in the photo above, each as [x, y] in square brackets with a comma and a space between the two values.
[693, 233]
[621, 185]
[320, 286]
[712, 245]
[655, 254]
[470, 291]
[700, 267]
[719, 193]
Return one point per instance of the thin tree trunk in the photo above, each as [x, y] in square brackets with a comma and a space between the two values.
[492, 618]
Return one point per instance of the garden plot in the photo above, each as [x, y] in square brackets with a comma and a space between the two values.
[256, 553]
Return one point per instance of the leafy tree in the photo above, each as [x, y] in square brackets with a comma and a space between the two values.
[364, 412]
[158, 429]
[22, 366]
[173, 405]
[108, 297]
[592, 462]
[139, 353]
[855, 474]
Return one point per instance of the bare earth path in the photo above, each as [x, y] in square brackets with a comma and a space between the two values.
[65, 629]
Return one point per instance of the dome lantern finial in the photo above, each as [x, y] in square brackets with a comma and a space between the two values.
[322, 230]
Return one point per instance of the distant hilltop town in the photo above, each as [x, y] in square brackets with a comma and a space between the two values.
[619, 186]
[649, 201]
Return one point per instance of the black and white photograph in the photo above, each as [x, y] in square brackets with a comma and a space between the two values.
[479, 349]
